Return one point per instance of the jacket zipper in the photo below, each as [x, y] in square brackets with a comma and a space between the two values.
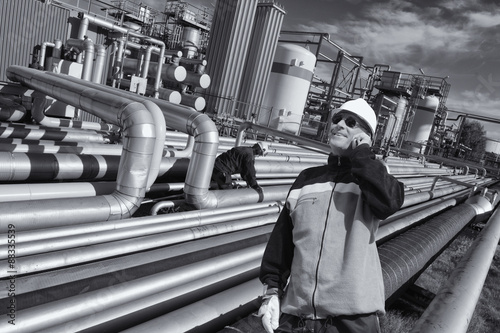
[321, 251]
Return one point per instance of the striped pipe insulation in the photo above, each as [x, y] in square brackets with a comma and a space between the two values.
[52, 134]
[99, 149]
[22, 166]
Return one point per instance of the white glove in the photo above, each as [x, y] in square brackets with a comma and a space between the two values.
[270, 313]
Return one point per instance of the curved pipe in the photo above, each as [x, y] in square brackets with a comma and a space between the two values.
[38, 114]
[451, 309]
[138, 147]
[156, 113]
[56, 52]
[86, 45]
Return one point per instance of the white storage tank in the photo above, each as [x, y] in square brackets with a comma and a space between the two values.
[423, 120]
[288, 87]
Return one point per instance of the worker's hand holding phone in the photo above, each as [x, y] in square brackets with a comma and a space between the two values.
[360, 139]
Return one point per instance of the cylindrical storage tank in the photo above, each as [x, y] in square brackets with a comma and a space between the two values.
[492, 146]
[422, 121]
[288, 87]
[190, 42]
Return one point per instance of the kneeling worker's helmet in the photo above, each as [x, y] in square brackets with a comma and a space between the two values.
[263, 147]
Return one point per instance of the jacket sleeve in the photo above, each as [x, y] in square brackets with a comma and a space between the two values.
[383, 193]
[278, 255]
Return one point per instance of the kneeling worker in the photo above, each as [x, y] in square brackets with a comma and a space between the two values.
[239, 160]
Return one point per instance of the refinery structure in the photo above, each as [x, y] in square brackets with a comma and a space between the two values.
[111, 116]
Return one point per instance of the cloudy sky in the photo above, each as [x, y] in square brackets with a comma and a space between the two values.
[455, 38]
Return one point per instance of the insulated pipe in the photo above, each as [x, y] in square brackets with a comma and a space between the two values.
[42, 316]
[48, 245]
[404, 256]
[36, 191]
[10, 110]
[86, 45]
[156, 114]
[184, 153]
[31, 146]
[63, 135]
[197, 80]
[201, 164]
[43, 52]
[451, 309]
[38, 114]
[168, 72]
[390, 229]
[129, 32]
[176, 221]
[229, 198]
[138, 147]
[298, 139]
[64, 258]
[197, 102]
[196, 314]
[206, 138]
[44, 167]
[100, 62]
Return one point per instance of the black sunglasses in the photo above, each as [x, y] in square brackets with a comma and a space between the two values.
[349, 120]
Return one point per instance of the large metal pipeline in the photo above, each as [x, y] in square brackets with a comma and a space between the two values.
[406, 255]
[86, 239]
[198, 314]
[64, 135]
[42, 316]
[74, 256]
[123, 316]
[451, 309]
[138, 131]
[131, 266]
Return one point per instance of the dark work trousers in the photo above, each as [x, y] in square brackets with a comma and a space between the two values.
[367, 323]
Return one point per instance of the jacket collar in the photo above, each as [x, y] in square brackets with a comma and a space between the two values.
[336, 161]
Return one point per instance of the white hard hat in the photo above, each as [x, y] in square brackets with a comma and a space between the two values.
[362, 109]
[264, 146]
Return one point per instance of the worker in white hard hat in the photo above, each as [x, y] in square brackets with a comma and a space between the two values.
[321, 269]
[239, 160]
